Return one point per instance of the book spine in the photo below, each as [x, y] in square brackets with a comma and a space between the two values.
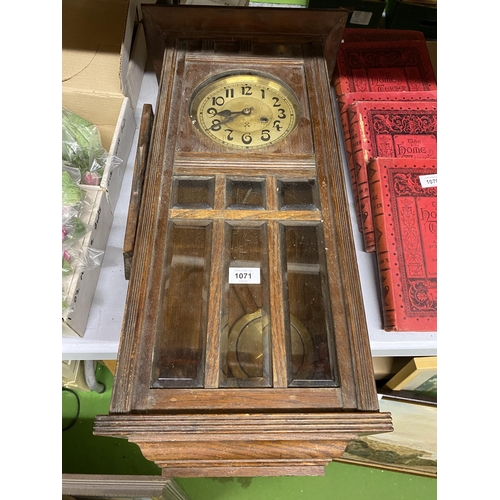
[344, 119]
[337, 80]
[386, 284]
[359, 158]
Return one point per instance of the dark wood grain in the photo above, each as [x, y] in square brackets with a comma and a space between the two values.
[262, 444]
[137, 186]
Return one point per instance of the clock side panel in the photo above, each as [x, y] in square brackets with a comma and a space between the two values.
[352, 341]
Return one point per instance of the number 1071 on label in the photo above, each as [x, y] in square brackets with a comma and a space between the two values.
[244, 275]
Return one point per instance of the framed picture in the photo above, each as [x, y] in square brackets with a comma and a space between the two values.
[411, 448]
[419, 375]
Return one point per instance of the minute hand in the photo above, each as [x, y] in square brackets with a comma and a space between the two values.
[230, 116]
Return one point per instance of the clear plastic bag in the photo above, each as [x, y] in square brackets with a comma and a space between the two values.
[78, 258]
[72, 194]
[73, 229]
[82, 147]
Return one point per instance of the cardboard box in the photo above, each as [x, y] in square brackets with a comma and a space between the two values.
[363, 13]
[79, 288]
[103, 59]
[73, 375]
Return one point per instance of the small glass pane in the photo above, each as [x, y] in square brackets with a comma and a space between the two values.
[193, 192]
[180, 344]
[246, 194]
[310, 326]
[245, 340]
[297, 194]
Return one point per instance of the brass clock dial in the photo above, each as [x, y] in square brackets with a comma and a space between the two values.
[244, 110]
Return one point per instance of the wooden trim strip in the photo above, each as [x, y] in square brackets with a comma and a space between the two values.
[242, 215]
[244, 398]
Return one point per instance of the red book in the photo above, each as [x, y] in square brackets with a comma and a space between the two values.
[404, 200]
[346, 100]
[389, 129]
[378, 35]
[392, 66]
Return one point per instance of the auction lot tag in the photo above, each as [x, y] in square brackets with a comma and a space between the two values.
[244, 275]
[430, 180]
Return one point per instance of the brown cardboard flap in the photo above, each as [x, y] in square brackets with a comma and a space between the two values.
[92, 36]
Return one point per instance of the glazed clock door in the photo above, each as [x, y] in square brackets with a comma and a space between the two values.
[245, 299]
[244, 302]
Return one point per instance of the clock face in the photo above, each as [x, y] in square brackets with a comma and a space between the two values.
[244, 110]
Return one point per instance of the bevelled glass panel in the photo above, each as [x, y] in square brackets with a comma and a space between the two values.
[182, 319]
[246, 194]
[246, 330]
[193, 192]
[297, 194]
[309, 327]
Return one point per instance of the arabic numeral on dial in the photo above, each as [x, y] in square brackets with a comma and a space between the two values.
[211, 111]
[229, 136]
[265, 136]
[277, 103]
[229, 93]
[215, 125]
[246, 138]
[246, 90]
[263, 93]
[218, 101]
[276, 125]
[281, 114]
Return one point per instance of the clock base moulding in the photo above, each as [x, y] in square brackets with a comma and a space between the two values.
[227, 445]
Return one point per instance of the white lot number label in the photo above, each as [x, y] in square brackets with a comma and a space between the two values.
[361, 17]
[428, 181]
[244, 275]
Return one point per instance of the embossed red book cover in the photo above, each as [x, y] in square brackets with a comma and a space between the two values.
[375, 34]
[390, 129]
[345, 100]
[404, 200]
[390, 66]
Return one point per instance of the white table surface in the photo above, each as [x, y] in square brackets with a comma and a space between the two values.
[101, 338]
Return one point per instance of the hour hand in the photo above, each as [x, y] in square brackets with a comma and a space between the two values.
[229, 116]
[228, 113]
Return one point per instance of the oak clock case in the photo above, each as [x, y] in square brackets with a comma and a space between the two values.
[244, 349]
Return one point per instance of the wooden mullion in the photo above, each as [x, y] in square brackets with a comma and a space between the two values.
[212, 354]
[279, 352]
[250, 215]
[220, 192]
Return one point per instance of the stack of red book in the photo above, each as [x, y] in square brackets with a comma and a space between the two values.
[387, 95]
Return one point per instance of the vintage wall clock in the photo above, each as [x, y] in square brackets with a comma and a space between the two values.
[244, 348]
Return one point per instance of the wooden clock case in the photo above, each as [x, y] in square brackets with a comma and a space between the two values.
[176, 393]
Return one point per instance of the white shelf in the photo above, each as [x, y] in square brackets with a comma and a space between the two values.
[105, 320]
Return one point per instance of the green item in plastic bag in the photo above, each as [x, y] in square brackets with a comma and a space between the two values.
[71, 193]
[81, 143]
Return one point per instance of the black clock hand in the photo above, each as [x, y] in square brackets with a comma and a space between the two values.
[228, 112]
[230, 116]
